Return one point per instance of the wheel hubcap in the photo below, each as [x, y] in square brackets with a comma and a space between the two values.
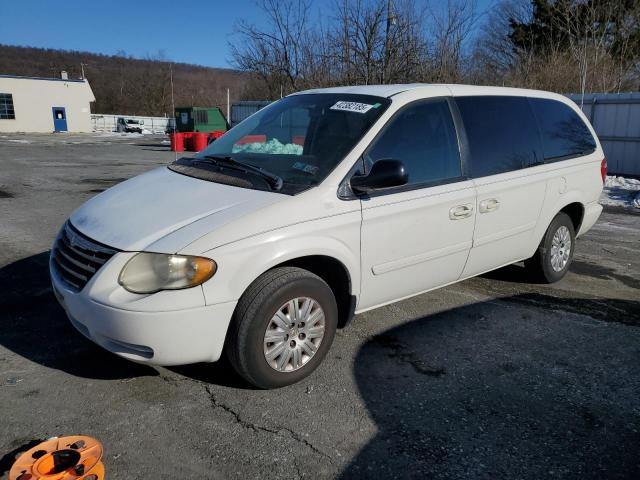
[294, 334]
[560, 248]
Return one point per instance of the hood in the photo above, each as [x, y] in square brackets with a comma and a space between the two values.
[135, 214]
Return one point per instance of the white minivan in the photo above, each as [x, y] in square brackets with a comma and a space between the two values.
[322, 205]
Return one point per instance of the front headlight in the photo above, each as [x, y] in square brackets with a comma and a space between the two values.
[152, 272]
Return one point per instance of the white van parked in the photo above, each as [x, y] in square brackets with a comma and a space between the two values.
[324, 204]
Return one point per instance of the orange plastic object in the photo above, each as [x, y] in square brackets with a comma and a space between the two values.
[64, 458]
[251, 139]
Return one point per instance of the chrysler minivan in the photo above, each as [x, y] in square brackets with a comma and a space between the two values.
[326, 204]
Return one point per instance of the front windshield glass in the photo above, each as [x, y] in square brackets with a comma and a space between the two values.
[300, 138]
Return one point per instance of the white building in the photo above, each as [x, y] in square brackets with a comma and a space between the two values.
[33, 104]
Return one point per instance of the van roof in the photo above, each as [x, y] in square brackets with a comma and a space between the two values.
[455, 89]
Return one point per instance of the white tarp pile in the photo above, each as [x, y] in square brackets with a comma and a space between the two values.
[273, 146]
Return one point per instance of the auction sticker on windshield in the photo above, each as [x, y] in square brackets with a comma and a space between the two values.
[353, 107]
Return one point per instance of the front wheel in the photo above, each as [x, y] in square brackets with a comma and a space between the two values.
[555, 253]
[283, 327]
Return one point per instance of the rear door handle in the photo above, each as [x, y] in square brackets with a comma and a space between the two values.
[489, 205]
[461, 211]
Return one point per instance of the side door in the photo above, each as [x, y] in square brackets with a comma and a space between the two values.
[503, 140]
[59, 119]
[416, 237]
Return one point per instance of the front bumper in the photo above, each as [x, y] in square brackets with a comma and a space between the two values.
[175, 337]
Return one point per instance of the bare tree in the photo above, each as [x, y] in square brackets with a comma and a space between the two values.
[494, 56]
[562, 45]
[586, 27]
[275, 54]
[406, 48]
[358, 40]
[452, 28]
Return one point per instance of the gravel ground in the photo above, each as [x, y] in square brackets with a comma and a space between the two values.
[490, 378]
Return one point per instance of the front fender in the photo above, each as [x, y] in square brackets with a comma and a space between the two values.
[241, 262]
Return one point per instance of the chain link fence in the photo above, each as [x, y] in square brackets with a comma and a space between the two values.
[108, 123]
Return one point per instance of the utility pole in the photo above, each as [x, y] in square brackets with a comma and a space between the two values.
[82, 65]
[387, 53]
[228, 107]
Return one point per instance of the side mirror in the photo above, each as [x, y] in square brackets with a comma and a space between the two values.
[383, 174]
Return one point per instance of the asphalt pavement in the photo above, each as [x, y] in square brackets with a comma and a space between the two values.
[490, 378]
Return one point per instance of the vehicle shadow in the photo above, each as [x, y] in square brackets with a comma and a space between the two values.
[9, 458]
[492, 391]
[164, 146]
[514, 273]
[219, 373]
[34, 326]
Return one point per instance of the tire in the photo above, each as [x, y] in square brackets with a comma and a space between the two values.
[247, 345]
[551, 261]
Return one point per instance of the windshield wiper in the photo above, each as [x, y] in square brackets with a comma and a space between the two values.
[274, 180]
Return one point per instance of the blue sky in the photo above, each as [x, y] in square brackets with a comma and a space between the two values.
[188, 31]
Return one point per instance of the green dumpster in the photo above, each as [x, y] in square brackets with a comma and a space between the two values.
[200, 119]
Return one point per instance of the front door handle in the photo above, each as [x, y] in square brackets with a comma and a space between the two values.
[489, 205]
[461, 211]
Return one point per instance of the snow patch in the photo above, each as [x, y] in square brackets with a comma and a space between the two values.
[621, 192]
[119, 134]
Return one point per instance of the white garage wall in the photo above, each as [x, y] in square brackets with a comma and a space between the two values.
[33, 99]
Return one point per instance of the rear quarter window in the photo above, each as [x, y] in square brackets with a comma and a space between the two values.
[501, 132]
[563, 132]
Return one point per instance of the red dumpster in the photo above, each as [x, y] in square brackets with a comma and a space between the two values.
[216, 134]
[177, 142]
[188, 141]
[199, 141]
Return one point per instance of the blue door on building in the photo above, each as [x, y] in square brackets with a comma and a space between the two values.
[59, 119]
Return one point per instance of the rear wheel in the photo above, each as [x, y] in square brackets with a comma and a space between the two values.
[283, 327]
[555, 253]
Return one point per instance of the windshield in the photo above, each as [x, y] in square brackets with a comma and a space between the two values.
[300, 138]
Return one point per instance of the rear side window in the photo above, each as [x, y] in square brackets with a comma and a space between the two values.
[502, 134]
[564, 134]
[423, 137]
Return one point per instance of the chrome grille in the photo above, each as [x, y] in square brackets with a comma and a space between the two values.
[76, 258]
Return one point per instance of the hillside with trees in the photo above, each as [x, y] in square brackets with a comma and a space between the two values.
[559, 45]
[125, 85]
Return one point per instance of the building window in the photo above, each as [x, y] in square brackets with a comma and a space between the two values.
[6, 107]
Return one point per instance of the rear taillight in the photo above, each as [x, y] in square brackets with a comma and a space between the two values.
[603, 169]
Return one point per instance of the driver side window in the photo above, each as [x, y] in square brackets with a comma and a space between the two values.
[423, 137]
